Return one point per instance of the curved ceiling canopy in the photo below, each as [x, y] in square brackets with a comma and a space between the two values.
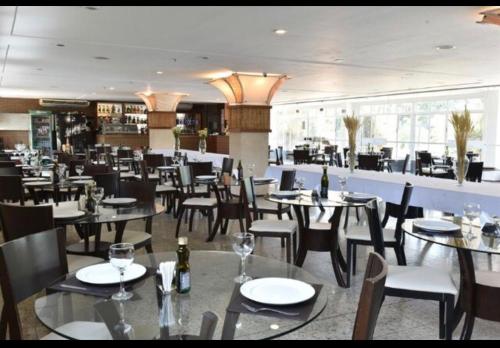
[162, 101]
[249, 88]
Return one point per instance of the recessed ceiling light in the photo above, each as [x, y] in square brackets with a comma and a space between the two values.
[60, 45]
[111, 88]
[445, 47]
[101, 58]
[339, 60]
[159, 72]
[280, 31]
[39, 69]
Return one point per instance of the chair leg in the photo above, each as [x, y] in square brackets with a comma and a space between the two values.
[149, 248]
[224, 230]
[282, 242]
[191, 218]
[210, 214]
[346, 221]
[349, 263]
[280, 217]
[242, 227]
[179, 220]
[186, 217]
[357, 214]
[288, 249]
[468, 326]
[289, 215]
[450, 302]
[294, 246]
[354, 255]
[441, 319]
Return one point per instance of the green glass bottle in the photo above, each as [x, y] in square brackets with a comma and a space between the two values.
[324, 183]
[182, 268]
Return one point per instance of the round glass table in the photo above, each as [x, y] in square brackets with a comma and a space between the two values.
[315, 237]
[479, 291]
[152, 315]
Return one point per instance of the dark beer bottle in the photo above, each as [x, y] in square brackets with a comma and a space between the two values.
[182, 269]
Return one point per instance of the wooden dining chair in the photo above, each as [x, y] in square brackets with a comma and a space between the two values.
[283, 229]
[416, 282]
[190, 200]
[18, 221]
[20, 280]
[11, 189]
[152, 162]
[72, 164]
[369, 162]
[93, 169]
[227, 169]
[144, 193]
[301, 157]
[227, 209]
[360, 235]
[371, 298]
[475, 172]
[7, 164]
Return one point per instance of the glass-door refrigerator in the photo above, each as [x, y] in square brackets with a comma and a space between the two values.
[41, 131]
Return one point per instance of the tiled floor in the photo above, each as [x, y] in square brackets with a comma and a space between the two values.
[399, 318]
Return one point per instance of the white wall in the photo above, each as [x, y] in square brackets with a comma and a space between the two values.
[15, 121]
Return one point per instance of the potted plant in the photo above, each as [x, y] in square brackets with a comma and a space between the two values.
[352, 123]
[203, 134]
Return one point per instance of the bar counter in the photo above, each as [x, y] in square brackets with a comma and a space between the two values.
[215, 143]
[125, 139]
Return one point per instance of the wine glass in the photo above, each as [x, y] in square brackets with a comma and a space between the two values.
[471, 211]
[97, 194]
[121, 256]
[251, 169]
[300, 181]
[79, 170]
[342, 183]
[243, 245]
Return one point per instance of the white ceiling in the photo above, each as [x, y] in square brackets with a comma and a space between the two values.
[384, 49]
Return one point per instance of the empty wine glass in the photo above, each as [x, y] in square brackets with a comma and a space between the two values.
[79, 170]
[97, 194]
[121, 256]
[342, 183]
[471, 211]
[243, 245]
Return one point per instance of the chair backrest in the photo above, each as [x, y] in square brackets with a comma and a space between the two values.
[402, 210]
[201, 168]
[425, 158]
[287, 180]
[227, 165]
[276, 154]
[72, 164]
[387, 152]
[10, 171]
[109, 181]
[121, 153]
[11, 188]
[249, 200]
[338, 159]
[418, 167]
[371, 297]
[143, 170]
[93, 169]
[6, 164]
[144, 192]
[375, 227]
[475, 171]
[110, 161]
[280, 155]
[154, 160]
[18, 221]
[300, 156]
[369, 162]
[185, 176]
[405, 163]
[43, 262]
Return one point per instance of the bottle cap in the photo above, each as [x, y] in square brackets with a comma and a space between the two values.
[183, 240]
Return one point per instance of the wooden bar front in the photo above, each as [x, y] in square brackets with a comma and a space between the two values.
[215, 143]
[132, 140]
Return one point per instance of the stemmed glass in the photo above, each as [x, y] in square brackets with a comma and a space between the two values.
[342, 183]
[251, 169]
[243, 245]
[471, 211]
[97, 194]
[121, 256]
[79, 170]
[124, 329]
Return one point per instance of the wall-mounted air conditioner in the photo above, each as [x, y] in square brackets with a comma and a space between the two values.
[75, 103]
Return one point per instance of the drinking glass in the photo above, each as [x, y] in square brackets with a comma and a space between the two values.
[251, 169]
[342, 183]
[243, 245]
[79, 170]
[98, 194]
[471, 211]
[300, 181]
[121, 256]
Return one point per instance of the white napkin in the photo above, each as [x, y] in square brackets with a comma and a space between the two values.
[167, 274]
[166, 314]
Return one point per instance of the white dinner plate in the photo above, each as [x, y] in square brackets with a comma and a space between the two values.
[285, 194]
[277, 291]
[105, 273]
[358, 196]
[119, 201]
[83, 177]
[206, 177]
[262, 179]
[35, 179]
[67, 210]
[436, 225]
[38, 183]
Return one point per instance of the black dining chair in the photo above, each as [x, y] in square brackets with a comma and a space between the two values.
[18, 221]
[11, 189]
[416, 282]
[359, 235]
[371, 298]
[475, 172]
[20, 280]
[7, 164]
[301, 157]
[405, 164]
[369, 162]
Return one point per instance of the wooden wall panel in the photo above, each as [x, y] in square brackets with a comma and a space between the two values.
[161, 119]
[249, 118]
[11, 137]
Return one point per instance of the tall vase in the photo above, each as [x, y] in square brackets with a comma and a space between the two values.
[352, 158]
[202, 145]
[461, 165]
[177, 144]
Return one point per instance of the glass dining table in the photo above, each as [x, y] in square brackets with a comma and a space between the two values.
[320, 237]
[151, 315]
[477, 298]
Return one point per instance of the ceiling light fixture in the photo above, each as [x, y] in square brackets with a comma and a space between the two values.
[111, 88]
[280, 31]
[101, 58]
[338, 60]
[159, 72]
[204, 57]
[60, 45]
[445, 47]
